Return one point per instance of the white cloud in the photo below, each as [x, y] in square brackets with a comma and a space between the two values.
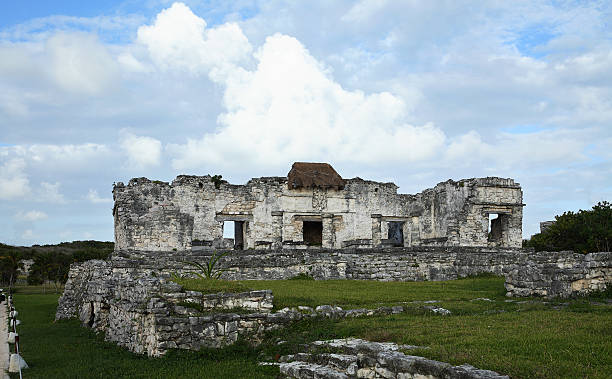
[63, 154]
[64, 63]
[179, 40]
[31, 216]
[14, 182]
[288, 108]
[93, 196]
[78, 63]
[141, 151]
[518, 151]
[414, 92]
[49, 193]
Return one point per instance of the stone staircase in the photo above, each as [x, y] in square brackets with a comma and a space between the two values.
[356, 358]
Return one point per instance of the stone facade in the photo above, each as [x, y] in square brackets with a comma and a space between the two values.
[268, 213]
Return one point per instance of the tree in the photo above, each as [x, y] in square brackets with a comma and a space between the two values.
[583, 232]
[10, 264]
[50, 267]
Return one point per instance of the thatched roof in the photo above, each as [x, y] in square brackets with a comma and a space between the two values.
[309, 175]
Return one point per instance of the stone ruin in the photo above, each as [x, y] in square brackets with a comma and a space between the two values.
[311, 222]
[314, 207]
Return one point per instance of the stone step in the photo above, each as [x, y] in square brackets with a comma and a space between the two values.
[365, 359]
[355, 346]
[340, 362]
[305, 370]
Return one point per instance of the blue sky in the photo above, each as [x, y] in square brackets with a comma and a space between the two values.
[416, 93]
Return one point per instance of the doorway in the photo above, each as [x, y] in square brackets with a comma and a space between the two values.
[313, 233]
[396, 233]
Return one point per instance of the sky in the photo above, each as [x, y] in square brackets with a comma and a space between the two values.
[413, 92]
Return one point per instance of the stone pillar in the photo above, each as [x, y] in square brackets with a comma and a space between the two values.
[415, 231]
[328, 230]
[277, 229]
[515, 227]
[376, 238]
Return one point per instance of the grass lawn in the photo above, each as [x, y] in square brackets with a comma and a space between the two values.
[522, 339]
[66, 350]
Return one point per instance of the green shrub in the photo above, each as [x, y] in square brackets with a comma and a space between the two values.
[582, 232]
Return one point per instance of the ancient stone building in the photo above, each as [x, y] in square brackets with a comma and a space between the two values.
[314, 207]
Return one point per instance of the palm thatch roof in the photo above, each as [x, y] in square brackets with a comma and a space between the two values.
[310, 175]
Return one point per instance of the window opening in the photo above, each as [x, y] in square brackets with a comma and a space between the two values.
[239, 235]
[495, 227]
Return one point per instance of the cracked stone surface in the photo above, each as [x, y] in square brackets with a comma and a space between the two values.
[364, 359]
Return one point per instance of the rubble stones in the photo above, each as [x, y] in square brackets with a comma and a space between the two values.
[358, 358]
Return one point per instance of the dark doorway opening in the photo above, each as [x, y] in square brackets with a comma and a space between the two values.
[239, 235]
[313, 233]
[396, 233]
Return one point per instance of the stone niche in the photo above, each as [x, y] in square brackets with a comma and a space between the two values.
[314, 207]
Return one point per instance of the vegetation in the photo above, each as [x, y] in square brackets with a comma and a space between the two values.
[524, 339]
[64, 349]
[50, 262]
[217, 180]
[583, 232]
[210, 269]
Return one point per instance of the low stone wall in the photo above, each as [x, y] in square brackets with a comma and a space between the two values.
[149, 315]
[528, 273]
[389, 264]
[560, 274]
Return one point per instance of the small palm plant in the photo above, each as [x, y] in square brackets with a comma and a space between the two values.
[210, 269]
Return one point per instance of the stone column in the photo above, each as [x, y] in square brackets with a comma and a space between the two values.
[376, 238]
[328, 230]
[277, 229]
[415, 231]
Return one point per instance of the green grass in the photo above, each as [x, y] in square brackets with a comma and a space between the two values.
[371, 294]
[532, 339]
[66, 350]
[524, 344]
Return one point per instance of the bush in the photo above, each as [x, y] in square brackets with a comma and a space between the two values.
[583, 232]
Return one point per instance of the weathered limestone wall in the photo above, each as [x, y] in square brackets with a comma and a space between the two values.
[397, 264]
[560, 274]
[189, 213]
[149, 315]
[527, 273]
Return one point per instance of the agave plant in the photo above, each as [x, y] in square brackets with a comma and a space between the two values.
[208, 270]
